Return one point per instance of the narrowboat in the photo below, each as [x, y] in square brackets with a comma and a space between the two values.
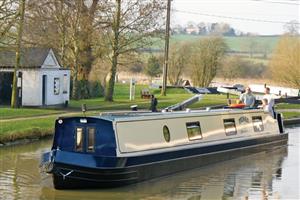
[117, 149]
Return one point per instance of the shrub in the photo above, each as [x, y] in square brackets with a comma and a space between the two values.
[96, 89]
[88, 89]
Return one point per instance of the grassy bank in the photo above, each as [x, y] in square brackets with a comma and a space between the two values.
[290, 115]
[287, 106]
[30, 128]
[121, 98]
[26, 129]
[8, 113]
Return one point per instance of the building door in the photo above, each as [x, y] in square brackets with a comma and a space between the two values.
[44, 90]
[6, 81]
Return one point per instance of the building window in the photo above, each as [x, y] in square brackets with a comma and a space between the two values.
[193, 130]
[65, 84]
[258, 125]
[56, 86]
[91, 140]
[166, 133]
[79, 139]
[230, 128]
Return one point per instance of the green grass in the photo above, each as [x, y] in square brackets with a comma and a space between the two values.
[27, 124]
[287, 106]
[289, 115]
[240, 43]
[121, 99]
[211, 100]
[122, 102]
[9, 113]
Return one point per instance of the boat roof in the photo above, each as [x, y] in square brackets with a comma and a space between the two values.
[141, 116]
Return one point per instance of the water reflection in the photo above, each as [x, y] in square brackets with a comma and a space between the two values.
[19, 170]
[271, 174]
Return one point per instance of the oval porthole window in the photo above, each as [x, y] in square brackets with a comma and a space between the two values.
[166, 134]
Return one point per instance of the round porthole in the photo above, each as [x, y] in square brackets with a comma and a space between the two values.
[166, 133]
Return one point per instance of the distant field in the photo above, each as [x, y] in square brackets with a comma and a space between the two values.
[234, 43]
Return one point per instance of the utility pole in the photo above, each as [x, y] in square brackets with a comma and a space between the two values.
[166, 56]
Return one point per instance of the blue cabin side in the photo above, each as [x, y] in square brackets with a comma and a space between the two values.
[85, 135]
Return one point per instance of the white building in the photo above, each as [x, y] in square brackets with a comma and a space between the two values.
[192, 30]
[41, 79]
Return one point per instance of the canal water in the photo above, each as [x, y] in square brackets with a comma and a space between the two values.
[271, 174]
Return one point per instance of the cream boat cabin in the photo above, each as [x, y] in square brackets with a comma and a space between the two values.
[119, 149]
[152, 133]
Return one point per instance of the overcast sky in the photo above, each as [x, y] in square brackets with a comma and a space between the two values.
[276, 12]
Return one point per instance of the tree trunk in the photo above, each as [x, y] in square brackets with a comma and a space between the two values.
[75, 86]
[85, 49]
[111, 82]
[14, 96]
[75, 93]
[63, 35]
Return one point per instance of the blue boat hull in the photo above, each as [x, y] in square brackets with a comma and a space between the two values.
[137, 169]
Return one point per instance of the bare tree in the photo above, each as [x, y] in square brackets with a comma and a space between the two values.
[115, 52]
[179, 57]
[14, 96]
[82, 30]
[85, 30]
[231, 67]
[69, 27]
[8, 19]
[237, 67]
[292, 27]
[205, 60]
[251, 46]
[131, 24]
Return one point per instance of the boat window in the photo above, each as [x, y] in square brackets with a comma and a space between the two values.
[79, 139]
[258, 125]
[230, 128]
[91, 140]
[193, 130]
[166, 133]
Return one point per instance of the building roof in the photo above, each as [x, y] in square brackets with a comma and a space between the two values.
[30, 57]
